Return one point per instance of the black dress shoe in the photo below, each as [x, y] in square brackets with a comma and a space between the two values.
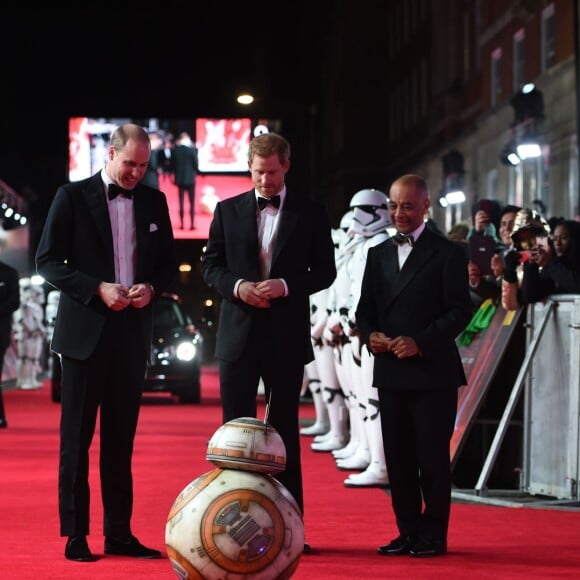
[307, 548]
[398, 547]
[428, 548]
[77, 549]
[132, 548]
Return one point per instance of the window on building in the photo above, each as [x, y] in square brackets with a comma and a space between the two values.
[519, 60]
[548, 38]
[495, 80]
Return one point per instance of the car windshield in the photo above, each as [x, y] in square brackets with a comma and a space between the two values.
[168, 313]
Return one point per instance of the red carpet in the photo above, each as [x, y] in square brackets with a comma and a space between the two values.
[344, 526]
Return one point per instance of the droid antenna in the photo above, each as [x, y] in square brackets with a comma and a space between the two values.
[267, 413]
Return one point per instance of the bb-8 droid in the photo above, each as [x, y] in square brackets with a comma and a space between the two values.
[237, 521]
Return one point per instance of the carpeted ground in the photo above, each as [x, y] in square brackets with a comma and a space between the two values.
[343, 525]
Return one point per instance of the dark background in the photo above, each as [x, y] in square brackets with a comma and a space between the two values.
[177, 59]
[174, 60]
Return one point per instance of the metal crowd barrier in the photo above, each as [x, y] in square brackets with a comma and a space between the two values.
[549, 378]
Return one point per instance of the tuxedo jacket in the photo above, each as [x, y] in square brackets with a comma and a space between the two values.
[427, 300]
[303, 255]
[185, 164]
[75, 254]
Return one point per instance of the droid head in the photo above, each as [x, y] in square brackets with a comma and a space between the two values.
[248, 444]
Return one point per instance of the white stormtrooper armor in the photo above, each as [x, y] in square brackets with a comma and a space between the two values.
[370, 222]
[327, 333]
[370, 455]
[321, 424]
[50, 315]
[30, 334]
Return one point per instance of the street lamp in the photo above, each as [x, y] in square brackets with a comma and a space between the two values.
[455, 196]
[529, 148]
[245, 99]
[509, 155]
[528, 105]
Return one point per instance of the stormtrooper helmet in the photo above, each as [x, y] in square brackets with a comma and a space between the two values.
[371, 213]
[346, 220]
[340, 234]
[24, 285]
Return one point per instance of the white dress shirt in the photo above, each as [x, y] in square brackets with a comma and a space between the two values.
[268, 220]
[124, 237]
[405, 249]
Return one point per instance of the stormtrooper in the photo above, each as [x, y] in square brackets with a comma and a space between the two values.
[312, 383]
[343, 347]
[334, 413]
[54, 367]
[370, 222]
[30, 334]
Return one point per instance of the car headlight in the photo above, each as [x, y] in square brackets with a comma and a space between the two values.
[185, 351]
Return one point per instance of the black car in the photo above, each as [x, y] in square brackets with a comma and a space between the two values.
[176, 354]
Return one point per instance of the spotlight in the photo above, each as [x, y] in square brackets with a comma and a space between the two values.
[454, 197]
[529, 148]
[508, 155]
[528, 103]
[245, 99]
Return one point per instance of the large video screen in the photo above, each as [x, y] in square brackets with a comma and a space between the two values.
[222, 148]
[222, 144]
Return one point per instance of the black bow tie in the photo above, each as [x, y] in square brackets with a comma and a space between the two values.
[403, 239]
[115, 190]
[264, 201]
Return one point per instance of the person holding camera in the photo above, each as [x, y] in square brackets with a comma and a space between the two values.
[554, 267]
[541, 263]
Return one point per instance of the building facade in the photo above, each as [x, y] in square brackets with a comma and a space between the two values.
[442, 89]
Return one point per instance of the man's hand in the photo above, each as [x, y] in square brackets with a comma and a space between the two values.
[541, 255]
[115, 296]
[140, 295]
[497, 265]
[512, 260]
[271, 288]
[401, 346]
[474, 274]
[481, 221]
[252, 295]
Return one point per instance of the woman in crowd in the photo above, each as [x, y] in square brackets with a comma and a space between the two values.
[551, 266]
[554, 268]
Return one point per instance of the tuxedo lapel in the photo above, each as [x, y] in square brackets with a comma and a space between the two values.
[421, 254]
[246, 223]
[143, 220]
[289, 219]
[97, 202]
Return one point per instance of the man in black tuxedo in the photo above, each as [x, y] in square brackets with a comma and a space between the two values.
[269, 249]
[9, 303]
[414, 302]
[107, 245]
[185, 167]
